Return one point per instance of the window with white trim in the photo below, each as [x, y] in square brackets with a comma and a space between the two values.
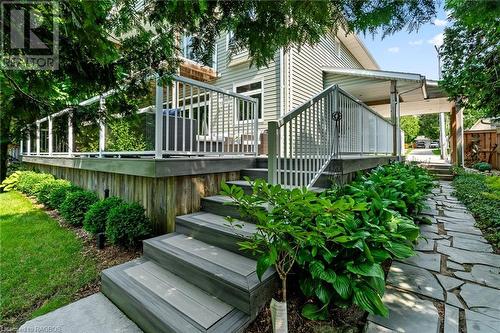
[254, 90]
[188, 52]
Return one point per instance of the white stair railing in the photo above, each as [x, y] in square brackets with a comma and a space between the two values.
[303, 142]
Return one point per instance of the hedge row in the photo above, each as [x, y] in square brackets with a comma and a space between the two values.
[123, 223]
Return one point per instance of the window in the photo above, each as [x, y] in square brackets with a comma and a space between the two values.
[254, 90]
[188, 52]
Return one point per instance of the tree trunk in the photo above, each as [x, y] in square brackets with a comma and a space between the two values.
[283, 288]
[4, 143]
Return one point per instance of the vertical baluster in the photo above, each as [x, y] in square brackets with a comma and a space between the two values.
[273, 155]
[50, 135]
[183, 137]
[175, 96]
[37, 137]
[70, 134]
[191, 117]
[28, 142]
[291, 152]
[217, 124]
[167, 118]
[285, 150]
[223, 127]
[159, 119]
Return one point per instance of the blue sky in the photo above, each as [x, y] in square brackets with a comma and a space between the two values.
[409, 52]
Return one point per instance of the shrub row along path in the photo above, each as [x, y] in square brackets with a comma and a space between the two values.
[452, 284]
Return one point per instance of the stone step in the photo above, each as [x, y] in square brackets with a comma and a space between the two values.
[229, 276]
[159, 301]
[439, 171]
[216, 230]
[444, 177]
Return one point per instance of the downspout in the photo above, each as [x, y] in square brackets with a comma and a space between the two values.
[282, 83]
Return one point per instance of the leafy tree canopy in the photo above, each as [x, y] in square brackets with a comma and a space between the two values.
[116, 44]
[471, 55]
[429, 126]
[410, 125]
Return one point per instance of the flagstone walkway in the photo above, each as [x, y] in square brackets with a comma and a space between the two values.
[452, 285]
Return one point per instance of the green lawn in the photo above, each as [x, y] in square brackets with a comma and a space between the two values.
[436, 151]
[42, 265]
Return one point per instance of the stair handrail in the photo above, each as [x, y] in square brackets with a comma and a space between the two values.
[289, 141]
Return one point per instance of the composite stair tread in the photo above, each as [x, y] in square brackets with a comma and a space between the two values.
[237, 227]
[183, 306]
[228, 267]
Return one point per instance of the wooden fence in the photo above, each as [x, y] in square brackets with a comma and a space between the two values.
[488, 144]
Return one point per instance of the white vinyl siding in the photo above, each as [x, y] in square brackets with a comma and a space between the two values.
[306, 67]
[233, 73]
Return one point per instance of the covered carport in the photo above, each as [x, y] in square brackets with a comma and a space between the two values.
[396, 94]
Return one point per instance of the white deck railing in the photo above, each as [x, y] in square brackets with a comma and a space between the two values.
[184, 117]
[333, 123]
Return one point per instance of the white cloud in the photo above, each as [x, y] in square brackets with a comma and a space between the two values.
[394, 49]
[440, 23]
[437, 40]
[416, 42]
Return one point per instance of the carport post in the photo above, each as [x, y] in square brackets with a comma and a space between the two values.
[460, 134]
[442, 135]
[395, 120]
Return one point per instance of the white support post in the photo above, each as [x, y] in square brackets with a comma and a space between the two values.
[460, 135]
[50, 136]
[256, 129]
[360, 129]
[442, 135]
[70, 134]
[37, 137]
[21, 143]
[159, 119]
[272, 154]
[398, 128]
[395, 134]
[28, 143]
[102, 126]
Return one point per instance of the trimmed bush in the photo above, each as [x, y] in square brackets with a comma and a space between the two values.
[58, 194]
[10, 183]
[48, 187]
[95, 219]
[482, 166]
[30, 182]
[75, 206]
[127, 225]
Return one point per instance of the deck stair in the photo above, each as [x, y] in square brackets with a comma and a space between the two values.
[195, 279]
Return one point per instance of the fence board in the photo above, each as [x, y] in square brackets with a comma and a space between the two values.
[489, 146]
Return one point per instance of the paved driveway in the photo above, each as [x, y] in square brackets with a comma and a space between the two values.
[423, 155]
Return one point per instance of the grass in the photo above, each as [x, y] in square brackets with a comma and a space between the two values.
[436, 151]
[42, 265]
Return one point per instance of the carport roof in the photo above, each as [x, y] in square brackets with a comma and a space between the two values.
[417, 94]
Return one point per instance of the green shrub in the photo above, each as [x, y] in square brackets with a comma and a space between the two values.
[338, 239]
[95, 219]
[10, 183]
[30, 182]
[58, 194]
[48, 187]
[482, 166]
[481, 195]
[126, 224]
[75, 206]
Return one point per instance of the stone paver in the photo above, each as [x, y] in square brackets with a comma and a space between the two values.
[469, 280]
[451, 319]
[414, 279]
[429, 261]
[94, 313]
[485, 275]
[477, 322]
[408, 313]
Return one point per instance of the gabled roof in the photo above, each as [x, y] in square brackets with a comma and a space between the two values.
[358, 49]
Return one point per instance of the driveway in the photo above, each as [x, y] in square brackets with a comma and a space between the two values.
[423, 155]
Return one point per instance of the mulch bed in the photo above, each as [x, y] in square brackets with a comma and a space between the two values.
[348, 320]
